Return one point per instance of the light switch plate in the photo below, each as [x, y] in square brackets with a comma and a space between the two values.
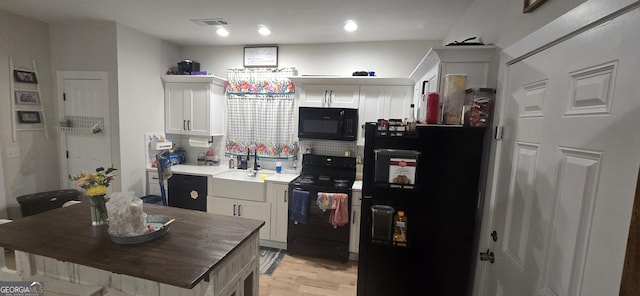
[13, 152]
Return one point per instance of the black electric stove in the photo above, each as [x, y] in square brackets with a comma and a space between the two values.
[315, 235]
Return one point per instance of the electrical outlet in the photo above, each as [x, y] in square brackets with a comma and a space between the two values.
[13, 152]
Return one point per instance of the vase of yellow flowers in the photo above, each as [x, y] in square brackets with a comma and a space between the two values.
[95, 186]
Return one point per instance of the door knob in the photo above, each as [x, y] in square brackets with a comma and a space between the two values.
[487, 256]
[494, 236]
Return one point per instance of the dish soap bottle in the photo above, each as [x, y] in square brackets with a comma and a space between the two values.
[400, 228]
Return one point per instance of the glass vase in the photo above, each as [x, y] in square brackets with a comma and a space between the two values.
[99, 214]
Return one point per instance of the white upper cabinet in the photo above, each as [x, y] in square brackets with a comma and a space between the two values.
[335, 96]
[383, 101]
[479, 63]
[194, 105]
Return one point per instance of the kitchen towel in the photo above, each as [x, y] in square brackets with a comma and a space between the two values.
[299, 206]
[325, 201]
[340, 214]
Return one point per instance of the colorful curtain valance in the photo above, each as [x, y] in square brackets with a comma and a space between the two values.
[260, 81]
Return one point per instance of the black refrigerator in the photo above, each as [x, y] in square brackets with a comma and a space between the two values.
[432, 176]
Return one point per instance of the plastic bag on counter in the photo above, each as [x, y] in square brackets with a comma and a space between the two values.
[126, 215]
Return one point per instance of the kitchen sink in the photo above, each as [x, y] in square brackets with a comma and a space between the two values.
[241, 184]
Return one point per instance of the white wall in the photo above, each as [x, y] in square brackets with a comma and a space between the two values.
[387, 59]
[141, 60]
[37, 167]
[90, 46]
[501, 22]
[134, 62]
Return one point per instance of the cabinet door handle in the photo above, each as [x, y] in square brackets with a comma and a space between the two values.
[330, 97]
[184, 125]
[239, 207]
[324, 99]
[353, 217]
[189, 124]
[285, 196]
[234, 209]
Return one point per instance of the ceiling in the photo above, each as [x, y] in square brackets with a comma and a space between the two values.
[290, 21]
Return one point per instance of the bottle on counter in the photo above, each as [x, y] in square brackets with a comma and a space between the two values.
[433, 108]
[411, 122]
[400, 228]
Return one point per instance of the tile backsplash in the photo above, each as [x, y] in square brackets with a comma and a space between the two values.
[322, 147]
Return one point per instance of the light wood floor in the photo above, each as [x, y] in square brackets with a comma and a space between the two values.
[299, 276]
[304, 276]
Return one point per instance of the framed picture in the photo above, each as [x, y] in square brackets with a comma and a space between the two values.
[27, 97]
[531, 5]
[265, 56]
[25, 76]
[29, 116]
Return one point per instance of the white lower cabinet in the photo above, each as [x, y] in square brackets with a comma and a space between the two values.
[153, 183]
[354, 235]
[278, 195]
[243, 208]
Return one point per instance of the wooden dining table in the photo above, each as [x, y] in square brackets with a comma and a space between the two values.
[203, 252]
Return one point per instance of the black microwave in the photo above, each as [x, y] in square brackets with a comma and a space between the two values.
[328, 123]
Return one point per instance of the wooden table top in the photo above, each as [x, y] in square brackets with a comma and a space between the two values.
[196, 243]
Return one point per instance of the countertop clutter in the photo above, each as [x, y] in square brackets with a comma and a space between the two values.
[212, 171]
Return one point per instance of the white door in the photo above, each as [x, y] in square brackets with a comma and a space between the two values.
[569, 165]
[83, 96]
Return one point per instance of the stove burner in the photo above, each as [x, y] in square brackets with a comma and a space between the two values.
[305, 180]
[322, 178]
[340, 183]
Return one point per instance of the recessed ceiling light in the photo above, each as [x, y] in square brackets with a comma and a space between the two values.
[350, 26]
[264, 31]
[222, 32]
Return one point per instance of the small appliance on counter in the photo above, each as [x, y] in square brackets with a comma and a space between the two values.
[211, 158]
[186, 67]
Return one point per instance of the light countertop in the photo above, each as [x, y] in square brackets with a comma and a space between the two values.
[203, 170]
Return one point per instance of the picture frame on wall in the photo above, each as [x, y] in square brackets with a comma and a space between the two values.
[261, 56]
[24, 97]
[531, 5]
[29, 117]
[25, 76]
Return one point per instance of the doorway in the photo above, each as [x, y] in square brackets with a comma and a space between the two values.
[83, 109]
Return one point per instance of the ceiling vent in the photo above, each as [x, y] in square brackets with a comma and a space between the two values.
[211, 22]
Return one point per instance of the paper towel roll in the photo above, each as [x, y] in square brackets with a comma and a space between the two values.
[199, 142]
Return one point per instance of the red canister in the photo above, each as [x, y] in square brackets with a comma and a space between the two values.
[433, 103]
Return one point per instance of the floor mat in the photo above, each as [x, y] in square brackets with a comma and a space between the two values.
[269, 259]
